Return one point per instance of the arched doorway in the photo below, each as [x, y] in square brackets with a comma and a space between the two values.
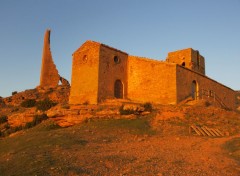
[195, 90]
[118, 89]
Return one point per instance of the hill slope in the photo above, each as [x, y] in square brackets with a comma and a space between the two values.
[153, 144]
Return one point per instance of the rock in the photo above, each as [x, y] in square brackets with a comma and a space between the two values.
[54, 113]
[130, 116]
[20, 119]
[107, 112]
[145, 113]
[133, 107]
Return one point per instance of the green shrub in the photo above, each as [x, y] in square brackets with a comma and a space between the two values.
[45, 104]
[123, 111]
[14, 92]
[15, 109]
[11, 130]
[39, 118]
[36, 120]
[7, 126]
[28, 125]
[15, 129]
[148, 107]
[52, 126]
[3, 119]
[233, 146]
[28, 103]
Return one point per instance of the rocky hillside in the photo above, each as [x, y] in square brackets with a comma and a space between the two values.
[238, 99]
[59, 94]
[22, 108]
[133, 139]
[117, 137]
[28, 108]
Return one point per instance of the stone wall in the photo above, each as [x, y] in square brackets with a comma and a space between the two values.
[188, 58]
[97, 67]
[185, 78]
[112, 67]
[85, 66]
[151, 81]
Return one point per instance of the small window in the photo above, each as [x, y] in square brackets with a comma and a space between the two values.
[183, 64]
[116, 59]
[211, 93]
[85, 58]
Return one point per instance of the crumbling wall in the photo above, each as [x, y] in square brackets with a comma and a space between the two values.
[49, 74]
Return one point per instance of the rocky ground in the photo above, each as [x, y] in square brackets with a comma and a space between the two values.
[116, 147]
[102, 140]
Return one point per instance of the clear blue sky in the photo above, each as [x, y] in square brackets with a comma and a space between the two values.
[149, 28]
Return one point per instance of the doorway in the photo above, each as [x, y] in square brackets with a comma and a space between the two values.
[118, 89]
[195, 90]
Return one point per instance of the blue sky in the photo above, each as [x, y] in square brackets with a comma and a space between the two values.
[149, 28]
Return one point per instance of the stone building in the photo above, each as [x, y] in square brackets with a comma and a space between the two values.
[100, 72]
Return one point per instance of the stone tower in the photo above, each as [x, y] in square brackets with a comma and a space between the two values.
[188, 58]
[49, 74]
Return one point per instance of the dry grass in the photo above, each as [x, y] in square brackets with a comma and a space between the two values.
[233, 146]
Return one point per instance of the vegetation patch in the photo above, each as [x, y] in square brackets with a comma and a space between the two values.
[14, 92]
[139, 126]
[3, 119]
[45, 104]
[41, 153]
[9, 130]
[123, 111]
[28, 103]
[233, 146]
[148, 107]
[36, 120]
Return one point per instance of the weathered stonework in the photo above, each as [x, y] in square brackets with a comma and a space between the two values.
[188, 58]
[49, 73]
[100, 72]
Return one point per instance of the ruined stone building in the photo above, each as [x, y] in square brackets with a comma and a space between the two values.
[49, 76]
[100, 72]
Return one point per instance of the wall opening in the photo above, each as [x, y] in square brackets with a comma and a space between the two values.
[118, 89]
[198, 60]
[116, 59]
[85, 58]
[183, 64]
[195, 90]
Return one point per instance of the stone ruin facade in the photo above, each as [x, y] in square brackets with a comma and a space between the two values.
[49, 76]
[100, 72]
